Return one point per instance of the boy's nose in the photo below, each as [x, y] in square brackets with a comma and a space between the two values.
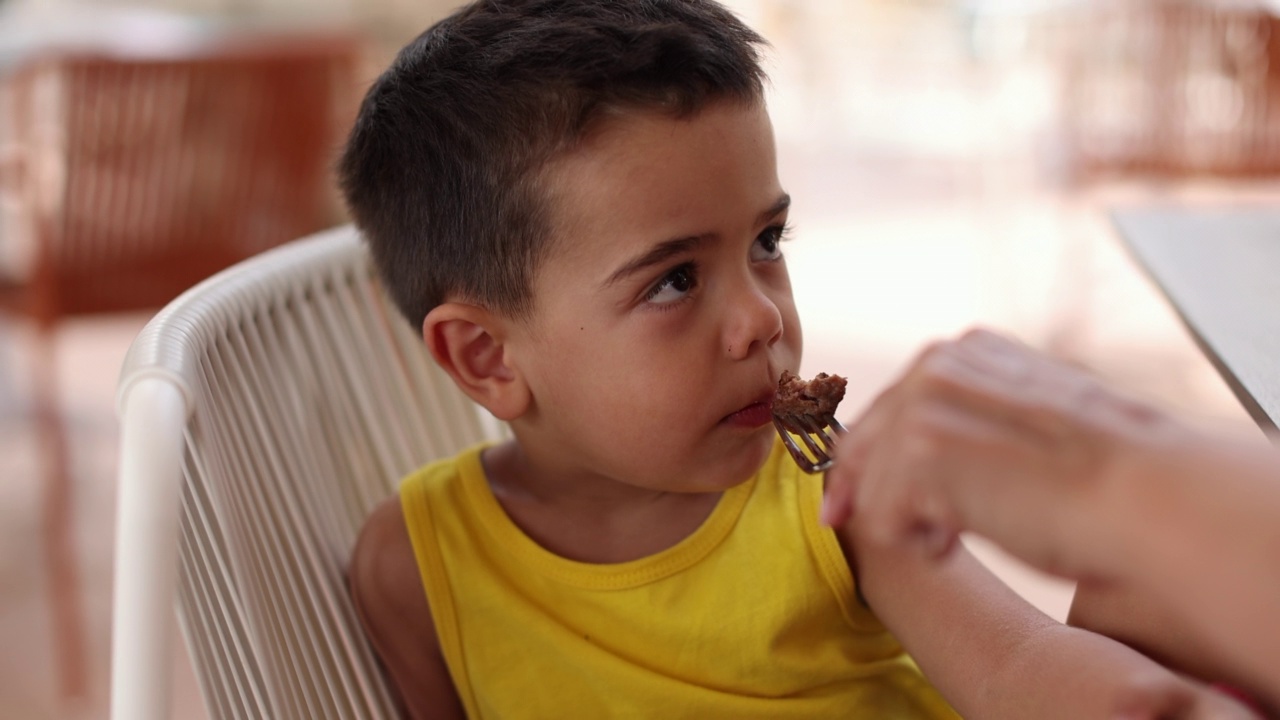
[755, 322]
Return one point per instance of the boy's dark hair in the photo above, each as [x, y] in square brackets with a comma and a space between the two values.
[442, 170]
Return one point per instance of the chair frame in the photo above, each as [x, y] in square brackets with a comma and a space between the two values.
[163, 398]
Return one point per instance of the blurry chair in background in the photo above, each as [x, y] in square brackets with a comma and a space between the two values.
[263, 415]
[1154, 95]
[1172, 89]
[129, 179]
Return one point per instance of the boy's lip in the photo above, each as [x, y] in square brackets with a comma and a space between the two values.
[754, 414]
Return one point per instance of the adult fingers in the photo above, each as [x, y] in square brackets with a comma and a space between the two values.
[837, 499]
[1179, 699]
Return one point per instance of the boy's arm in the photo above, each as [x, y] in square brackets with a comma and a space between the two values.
[392, 606]
[993, 655]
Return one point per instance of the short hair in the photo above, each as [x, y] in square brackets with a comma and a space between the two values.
[442, 169]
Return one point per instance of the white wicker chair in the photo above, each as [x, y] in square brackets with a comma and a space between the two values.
[263, 414]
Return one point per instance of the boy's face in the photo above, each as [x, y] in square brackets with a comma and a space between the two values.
[663, 315]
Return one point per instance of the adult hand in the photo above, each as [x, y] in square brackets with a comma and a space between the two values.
[983, 433]
[1181, 699]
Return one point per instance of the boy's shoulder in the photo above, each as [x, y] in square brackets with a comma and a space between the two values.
[383, 573]
[392, 605]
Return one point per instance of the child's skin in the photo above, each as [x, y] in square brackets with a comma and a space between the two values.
[638, 391]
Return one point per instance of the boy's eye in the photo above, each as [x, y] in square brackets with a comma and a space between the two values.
[766, 247]
[674, 285]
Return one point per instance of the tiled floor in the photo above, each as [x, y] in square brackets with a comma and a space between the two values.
[922, 206]
[89, 354]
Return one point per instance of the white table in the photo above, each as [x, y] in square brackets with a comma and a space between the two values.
[1220, 269]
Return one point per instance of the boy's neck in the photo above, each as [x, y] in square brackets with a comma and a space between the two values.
[590, 519]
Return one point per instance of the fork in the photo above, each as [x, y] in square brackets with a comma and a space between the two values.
[815, 432]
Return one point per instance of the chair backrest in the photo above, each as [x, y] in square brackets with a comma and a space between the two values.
[306, 398]
[141, 175]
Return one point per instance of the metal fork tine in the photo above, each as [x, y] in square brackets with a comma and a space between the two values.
[816, 427]
[829, 425]
[807, 427]
[784, 431]
[807, 439]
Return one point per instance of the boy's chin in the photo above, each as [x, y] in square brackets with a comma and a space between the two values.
[748, 458]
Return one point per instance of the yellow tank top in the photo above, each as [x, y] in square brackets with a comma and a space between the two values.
[753, 615]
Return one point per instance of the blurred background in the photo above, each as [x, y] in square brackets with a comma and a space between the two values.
[952, 163]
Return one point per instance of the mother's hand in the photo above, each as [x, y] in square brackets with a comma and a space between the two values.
[983, 433]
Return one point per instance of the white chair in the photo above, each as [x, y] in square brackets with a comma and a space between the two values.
[128, 175]
[264, 413]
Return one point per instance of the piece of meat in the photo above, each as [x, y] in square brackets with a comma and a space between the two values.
[818, 396]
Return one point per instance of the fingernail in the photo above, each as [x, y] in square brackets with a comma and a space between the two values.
[827, 514]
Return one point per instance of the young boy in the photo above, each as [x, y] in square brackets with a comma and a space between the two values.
[577, 201]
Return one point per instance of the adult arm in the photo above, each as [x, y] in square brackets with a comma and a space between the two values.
[993, 655]
[1202, 589]
[984, 434]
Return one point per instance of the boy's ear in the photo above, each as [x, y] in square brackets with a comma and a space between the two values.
[467, 342]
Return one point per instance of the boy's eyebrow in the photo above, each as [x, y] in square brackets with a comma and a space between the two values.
[782, 203]
[662, 251]
[656, 255]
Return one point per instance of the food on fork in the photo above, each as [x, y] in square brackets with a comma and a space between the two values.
[806, 409]
[818, 397]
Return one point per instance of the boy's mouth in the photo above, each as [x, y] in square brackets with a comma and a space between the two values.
[754, 415]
